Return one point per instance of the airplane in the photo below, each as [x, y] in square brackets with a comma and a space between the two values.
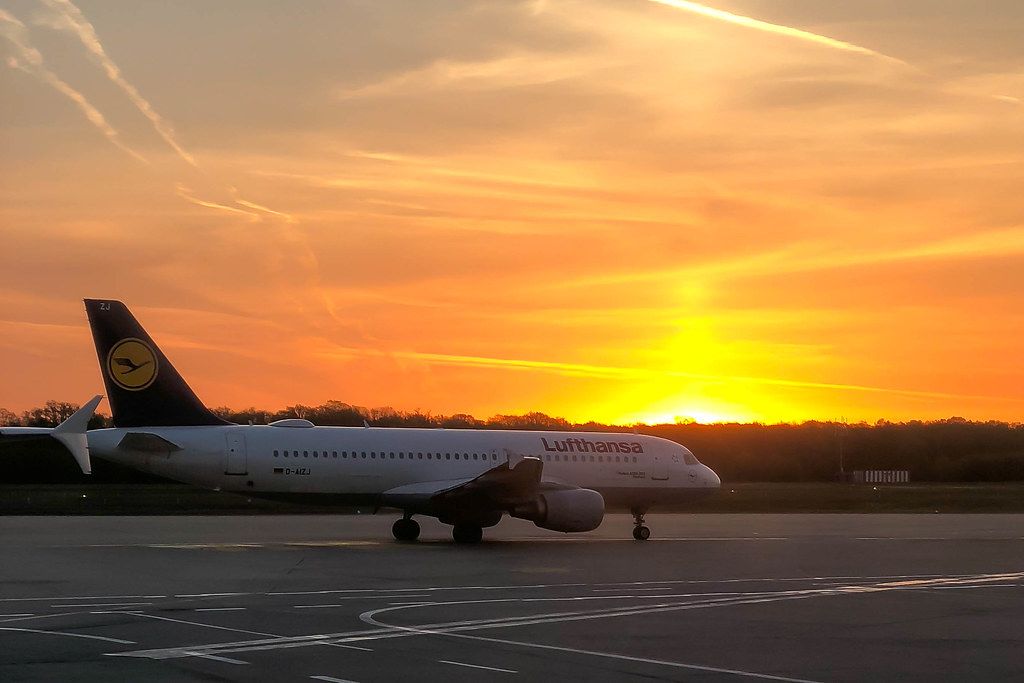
[467, 478]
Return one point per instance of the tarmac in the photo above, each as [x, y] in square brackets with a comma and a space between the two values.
[334, 598]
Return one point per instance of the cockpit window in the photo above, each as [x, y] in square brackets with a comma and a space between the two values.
[689, 458]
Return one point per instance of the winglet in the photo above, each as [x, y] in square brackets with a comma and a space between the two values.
[71, 433]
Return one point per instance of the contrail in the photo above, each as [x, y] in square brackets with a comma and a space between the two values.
[70, 18]
[30, 60]
[749, 22]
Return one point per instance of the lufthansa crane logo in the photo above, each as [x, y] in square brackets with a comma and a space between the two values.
[132, 364]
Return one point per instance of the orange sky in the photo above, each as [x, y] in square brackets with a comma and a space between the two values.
[769, 210]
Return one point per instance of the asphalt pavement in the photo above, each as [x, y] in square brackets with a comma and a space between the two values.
[334, 598]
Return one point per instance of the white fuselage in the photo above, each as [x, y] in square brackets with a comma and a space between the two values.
[353, 465]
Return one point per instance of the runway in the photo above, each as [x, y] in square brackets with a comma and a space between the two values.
[332, 598]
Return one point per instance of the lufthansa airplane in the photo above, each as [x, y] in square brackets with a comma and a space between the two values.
[468, 478]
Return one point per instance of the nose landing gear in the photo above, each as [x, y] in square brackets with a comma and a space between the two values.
[640, 532]
[406, 529]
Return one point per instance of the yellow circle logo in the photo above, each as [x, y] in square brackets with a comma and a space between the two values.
[131, 364]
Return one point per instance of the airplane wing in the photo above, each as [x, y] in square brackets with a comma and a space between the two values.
[497, 489]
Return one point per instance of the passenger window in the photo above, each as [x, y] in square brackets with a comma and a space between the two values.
[364, 455]
[634, 458]
[548, 457]
[456, 456]
[494, 456]
[275, 454]
[574, 458]
[315, 455]
[591, 458]
[392, 456]
[616, 458]
[447, 456]
[334, 454]
[305, 454]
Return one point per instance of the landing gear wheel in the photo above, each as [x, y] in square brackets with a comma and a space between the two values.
[406, 530]
[640, 532]
[467, 533]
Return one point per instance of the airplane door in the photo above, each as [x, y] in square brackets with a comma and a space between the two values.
[234, 455]
[659, 467]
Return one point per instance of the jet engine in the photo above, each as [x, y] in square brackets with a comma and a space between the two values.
[569, 510]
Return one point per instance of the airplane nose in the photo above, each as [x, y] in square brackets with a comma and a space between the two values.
[713, 480]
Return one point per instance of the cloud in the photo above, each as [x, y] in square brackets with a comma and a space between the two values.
[30, 60]
[778, 29]
[67, 17]
[625, 373]
[186, 194]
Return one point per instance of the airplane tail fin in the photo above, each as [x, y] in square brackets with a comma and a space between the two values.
[143, 387]
[71, 433]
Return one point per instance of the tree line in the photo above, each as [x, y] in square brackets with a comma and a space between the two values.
[953, 449]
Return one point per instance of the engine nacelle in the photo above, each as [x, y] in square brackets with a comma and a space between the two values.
[570, 510]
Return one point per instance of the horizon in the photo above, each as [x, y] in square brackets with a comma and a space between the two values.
[734, 211]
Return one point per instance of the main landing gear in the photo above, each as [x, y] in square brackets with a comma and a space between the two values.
[467, 533]
[406, 529]
[640, 532]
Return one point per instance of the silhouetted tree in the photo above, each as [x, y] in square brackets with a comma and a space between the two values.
[50, 415]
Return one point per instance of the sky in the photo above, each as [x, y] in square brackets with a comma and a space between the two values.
[628, 210]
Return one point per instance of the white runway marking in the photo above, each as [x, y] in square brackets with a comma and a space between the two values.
[103, 604]
[348, 647]
[354, 597]
[330, 679]
[209, 595]
[70, 635]
[217, 658]
[23, 614]
[59, 598]
[197, 623]
[644, 660]
[477, 666]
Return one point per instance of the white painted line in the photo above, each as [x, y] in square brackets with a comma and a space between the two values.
[477, 666]
[216, 658]
[104, 604]
[88, 597]
[198, 623]
[219, 609]
[355, 597]
[23, 614]
[208, 595]
[330, 679]
[348, 647]
[644, 660]
[70, 635]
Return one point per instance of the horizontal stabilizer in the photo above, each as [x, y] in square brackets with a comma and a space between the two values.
[146, 442]
[71, 433]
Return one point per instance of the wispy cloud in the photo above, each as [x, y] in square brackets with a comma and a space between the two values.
[288, 218]
[630, 373]
[779, 29]
[67, 17]
[30, 60]
[186, 194]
